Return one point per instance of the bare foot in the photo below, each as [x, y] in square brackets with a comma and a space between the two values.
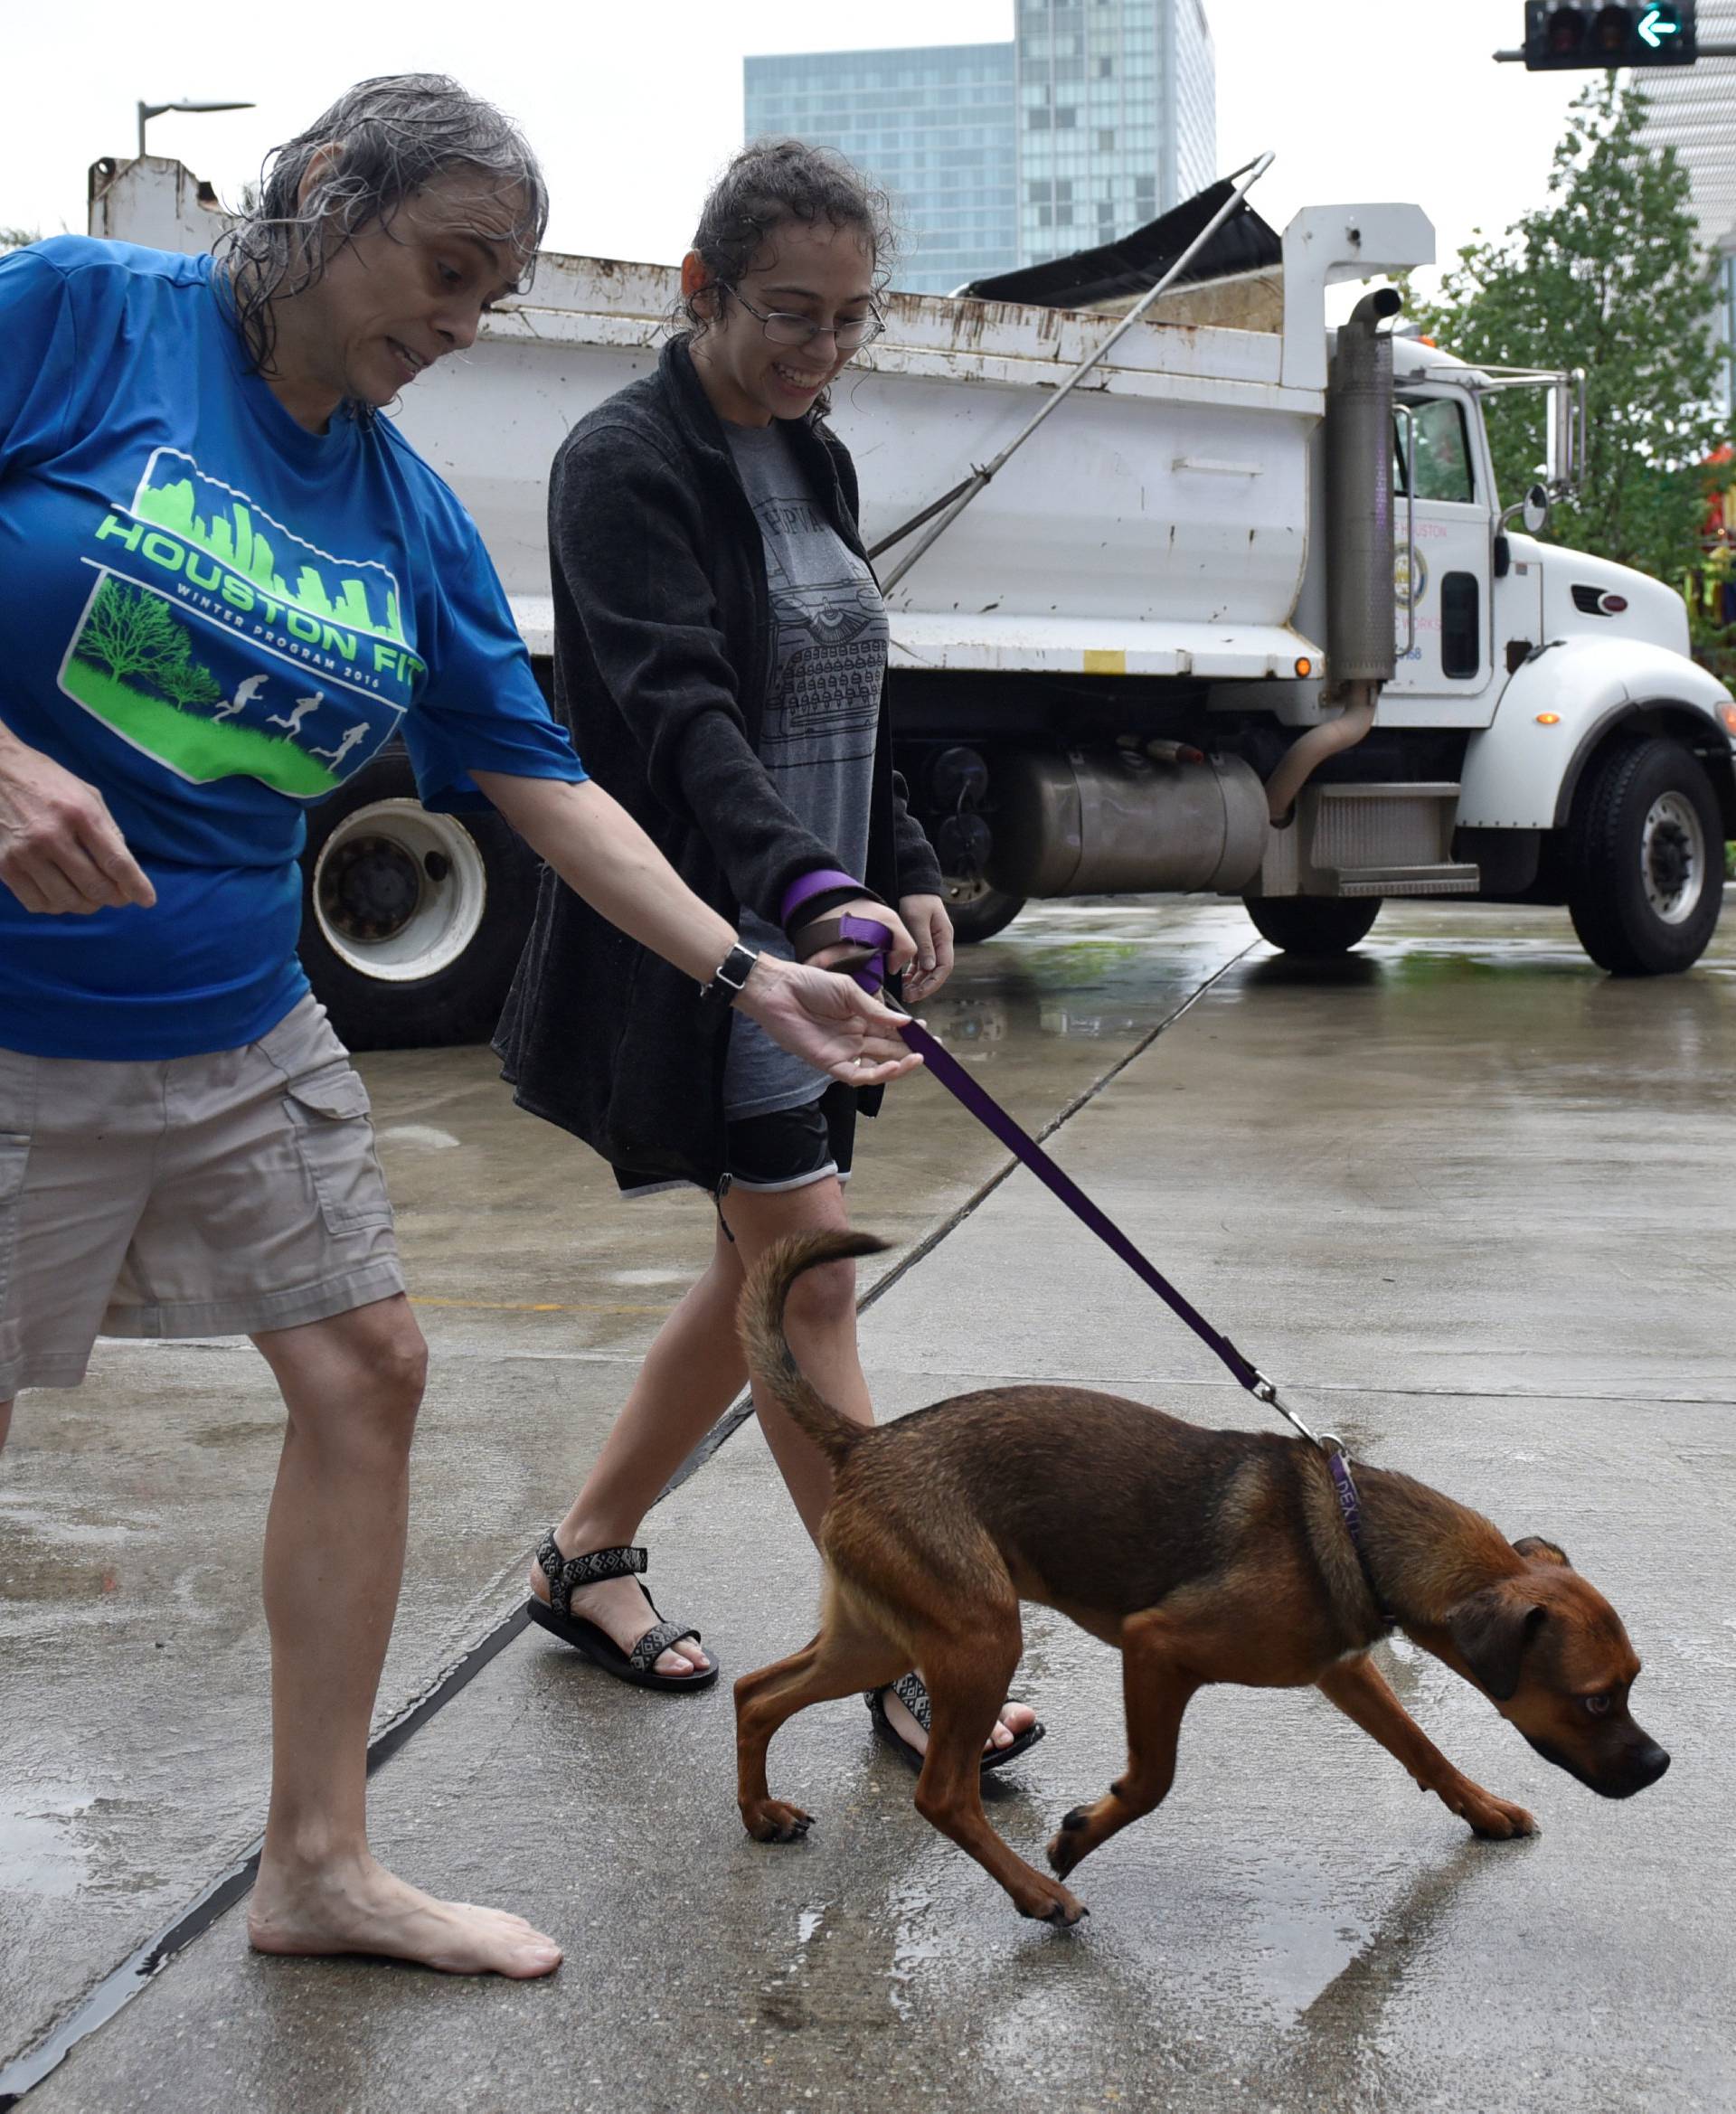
[1015, 1718]
[357, 1906]
[620, 1607]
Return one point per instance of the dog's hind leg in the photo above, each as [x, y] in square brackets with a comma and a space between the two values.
[847, 1656]
[966, 1682]
[1360, 1691]
[1157, 1691]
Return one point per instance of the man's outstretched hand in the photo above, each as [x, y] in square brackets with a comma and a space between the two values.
[828, 1020]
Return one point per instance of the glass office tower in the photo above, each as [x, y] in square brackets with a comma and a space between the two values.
[1694, 110]
[1118, 117]
[934, 126]
[1098, 115]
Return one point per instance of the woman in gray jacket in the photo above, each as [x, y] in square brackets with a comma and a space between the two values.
[721, 654]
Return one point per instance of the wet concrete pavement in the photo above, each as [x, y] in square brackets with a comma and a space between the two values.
[1470, 1198]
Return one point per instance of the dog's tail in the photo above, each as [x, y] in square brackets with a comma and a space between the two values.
[760, 1321]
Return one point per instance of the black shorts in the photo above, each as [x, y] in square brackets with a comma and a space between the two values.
[784, 1150]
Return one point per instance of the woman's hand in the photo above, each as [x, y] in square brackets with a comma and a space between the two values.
[829, 1021]
[600, 851]
[900, 950]
[926, 915]
[59, 851]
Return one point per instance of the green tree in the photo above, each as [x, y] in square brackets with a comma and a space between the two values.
[16, 238]
[131, 633]
[1608, 275]
[186, 682]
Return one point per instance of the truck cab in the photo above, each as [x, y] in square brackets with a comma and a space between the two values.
[1570, 676]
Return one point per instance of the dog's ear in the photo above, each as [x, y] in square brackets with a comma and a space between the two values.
[1535, 1550]
[1491, 1630]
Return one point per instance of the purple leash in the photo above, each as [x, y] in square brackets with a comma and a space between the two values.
[871, 975]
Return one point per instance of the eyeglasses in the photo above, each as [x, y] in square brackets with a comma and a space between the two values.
[784, 329]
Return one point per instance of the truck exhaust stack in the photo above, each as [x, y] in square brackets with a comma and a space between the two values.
[1361, 600]
[1361, 597]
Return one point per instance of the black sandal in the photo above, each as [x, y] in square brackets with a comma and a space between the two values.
[565, 1575]
[914, 1695]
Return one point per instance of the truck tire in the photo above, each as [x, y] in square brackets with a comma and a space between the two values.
[1318, 925]
[411, 923]
[1645, 858]
[977, 910]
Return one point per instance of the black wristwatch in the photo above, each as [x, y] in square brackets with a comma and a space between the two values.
[729, 979]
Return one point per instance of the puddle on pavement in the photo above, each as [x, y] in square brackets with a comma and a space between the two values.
[1300, 1938]
[918, 1944]
[429, 1135]
[40, 1850]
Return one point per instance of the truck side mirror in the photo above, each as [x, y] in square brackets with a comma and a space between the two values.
[1534, 511]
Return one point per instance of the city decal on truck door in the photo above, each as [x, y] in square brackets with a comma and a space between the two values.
[218, 641]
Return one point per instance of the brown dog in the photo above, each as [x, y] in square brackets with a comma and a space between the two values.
[1205, 1556]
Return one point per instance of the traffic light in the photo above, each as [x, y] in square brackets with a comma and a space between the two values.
[1608, 33]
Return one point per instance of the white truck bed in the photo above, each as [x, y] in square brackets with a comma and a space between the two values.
[1165, 508]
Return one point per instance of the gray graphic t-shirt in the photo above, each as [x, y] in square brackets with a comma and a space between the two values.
[817, 743]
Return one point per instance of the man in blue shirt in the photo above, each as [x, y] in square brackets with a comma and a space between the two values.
[224, 582]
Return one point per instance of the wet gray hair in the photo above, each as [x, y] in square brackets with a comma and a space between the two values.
[394, 135]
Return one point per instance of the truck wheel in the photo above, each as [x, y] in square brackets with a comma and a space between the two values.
[1644, 859]
[1312, 924]
[411, 923]
[977, 910]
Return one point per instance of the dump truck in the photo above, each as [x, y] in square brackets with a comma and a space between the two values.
[1245, 616]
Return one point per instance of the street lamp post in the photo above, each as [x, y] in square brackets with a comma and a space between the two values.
[146, 112]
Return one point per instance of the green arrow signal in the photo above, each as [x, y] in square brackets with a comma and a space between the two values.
[1655, 29]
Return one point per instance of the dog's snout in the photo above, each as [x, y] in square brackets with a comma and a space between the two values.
[1635, 1770]
[1649, 1764]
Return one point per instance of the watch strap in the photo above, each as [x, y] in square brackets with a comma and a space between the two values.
[730, 977]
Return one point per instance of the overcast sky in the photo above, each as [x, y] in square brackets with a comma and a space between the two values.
[633, 109]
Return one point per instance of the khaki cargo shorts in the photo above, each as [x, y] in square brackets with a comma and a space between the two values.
[210, 1195]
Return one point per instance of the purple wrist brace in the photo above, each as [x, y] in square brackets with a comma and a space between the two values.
[822, 881]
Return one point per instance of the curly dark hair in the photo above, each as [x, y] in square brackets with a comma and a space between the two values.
[394, 134]
[768, 185]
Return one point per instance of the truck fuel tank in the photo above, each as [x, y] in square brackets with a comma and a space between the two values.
[1118, 821]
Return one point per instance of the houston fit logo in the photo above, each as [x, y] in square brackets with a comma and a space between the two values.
[225, 646]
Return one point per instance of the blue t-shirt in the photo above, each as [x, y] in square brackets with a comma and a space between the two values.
[215, 618]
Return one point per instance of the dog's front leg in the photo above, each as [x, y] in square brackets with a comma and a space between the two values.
[1157, 1691]
[1361, 1692]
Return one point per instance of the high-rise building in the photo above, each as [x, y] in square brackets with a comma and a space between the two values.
[1694, 110]
[934, 126]
[1098, 115]
[1118, 117]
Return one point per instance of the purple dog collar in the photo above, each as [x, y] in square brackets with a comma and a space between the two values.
[1350, 1506]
